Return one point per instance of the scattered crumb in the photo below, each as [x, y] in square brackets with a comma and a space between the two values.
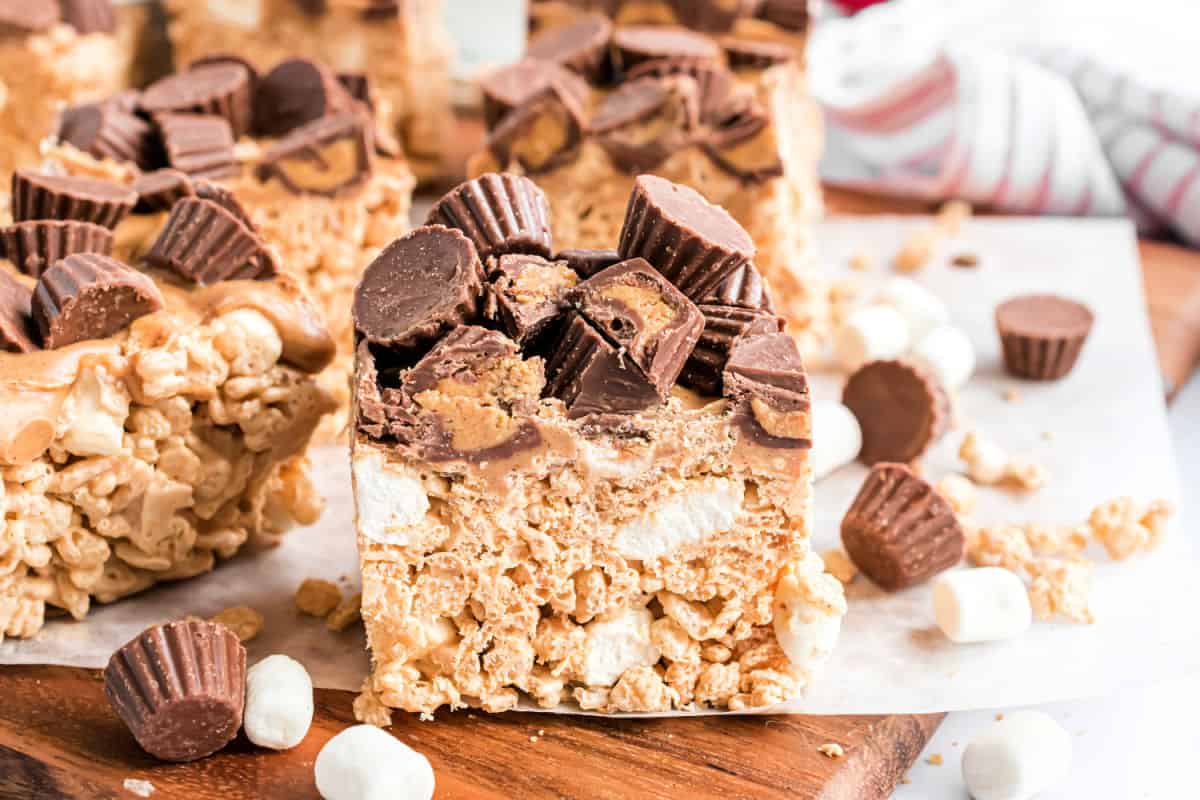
[1124, 528]
[952, 215]
[905, 781]
[999, 717]
[965, 260]
[831, 750]
[861, 261]
[139, 787]
[990, 464]
[348, 612]
[244, 621]
[1060, 587]
[317, 597]
[839, 565]
[959, 492]
[533, 739]
[935, 759]
[917, 250]
[1012, 396]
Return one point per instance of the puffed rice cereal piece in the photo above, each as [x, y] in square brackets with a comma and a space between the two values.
[317, 597]
[245, 622]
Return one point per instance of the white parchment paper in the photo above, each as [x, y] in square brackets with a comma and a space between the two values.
[1108, 436]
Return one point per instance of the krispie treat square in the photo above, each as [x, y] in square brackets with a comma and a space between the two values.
[292, 152]
[728, 113]
[399, 49]
[576, 482]
[156, 415]
[53, 54]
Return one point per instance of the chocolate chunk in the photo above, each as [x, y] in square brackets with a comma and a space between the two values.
[588, 262]
[21, 17]
[653, 323]
[712, 16]
[580, 46]
[159, 190]
[89, 16]
[644, 122]
[1042, 335]
[899, 531]
[756, 53]
[358, 84]
[540, 135]
[34, 245]
[203, 242]
[500, 213]
[327, 156]
[743, 289]
[791, 15]
[199, 144]
[510, 87]
[17, 331]
[180, 688]
[227, 59]
[693, 242]
[105, 130]
[297, 91]
[765, 378]
[219, 89]
[419, 287]
[528, 294]
[39, 196]
[633, 44]
[716, 84]
[592, 376]
[724, 326]
[900, 407]
[90, 296]
[745, 145]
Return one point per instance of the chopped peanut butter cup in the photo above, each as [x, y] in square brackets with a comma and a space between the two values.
[755, 53]
[90, 296]
[715, 83]
[203, 242]
[580, 46]
[901, 408]
[723, 327]
[745, 145]
[540, 134]
[899, 531]
[792, 15]
[587, 262]
[199, 144]
[295, 92]
[644, 121]
[105, 130]
[1042, 335]
[160, 189]
[528, 294]
[327, 156]
[21, 17]
[592, 376]
[38, 196]
[180, 688]
[419, 287]
[634, 44]
[499, 213]
[511, 87]
[764, 375]
[743, 289]
[89, 16]
[221, 89]
[693, 242]
[711, 16]
[33, 246]
[18, 333]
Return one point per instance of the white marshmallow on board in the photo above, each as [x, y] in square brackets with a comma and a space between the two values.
[946, 352]
[279, 703]
[921, 308]
[1018, 757]
[982, 604]
[366, 763]
[870, 333]
[837, 437]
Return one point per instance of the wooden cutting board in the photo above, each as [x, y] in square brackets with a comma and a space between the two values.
[59, 739]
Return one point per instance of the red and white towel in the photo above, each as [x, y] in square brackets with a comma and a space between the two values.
[912, 110]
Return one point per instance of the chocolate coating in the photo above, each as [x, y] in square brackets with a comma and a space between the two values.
[633, 44]
[90, 296]
[297, 91]
[591, 376]
[528, 294]
[510, 87]
[645, 121]
[61, 197]
[744, 288]
[18, 333]
[581, 46]
[107, 131]
[765, 378]
[221, 89]
[34, 245]
[328, 156]
[88, 16]
[1042, 335]
[587, 262]
[541, 134]
[200, 145]
[724, 326]
[160, 189]
[203, 242]
[901, 408]
[500, 213]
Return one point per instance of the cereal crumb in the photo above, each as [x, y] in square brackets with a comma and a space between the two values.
[831, 750]
[839, 565]
[139, 787]
[1060, 587]
[317, 596]
[999, 717]
[917, 250]
[1124, 528]
[965, 260]
[935, 759]
[244, 621]
[959, 492]
[952, 215]
[1012, 396]
[988, 463]
[348, 612]
[861, 261]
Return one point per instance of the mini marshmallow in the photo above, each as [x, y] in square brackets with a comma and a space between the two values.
[279, 703]
[366, 763]
[946, 352]
[870, 333]
[1018, 757]
[922, 309]
[981, 605]
[837, 438]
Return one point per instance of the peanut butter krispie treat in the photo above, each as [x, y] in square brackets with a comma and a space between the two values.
[400, 50]
[156, 416]
[594, 105]
[291, 153]
[54, 52]
[544, 509]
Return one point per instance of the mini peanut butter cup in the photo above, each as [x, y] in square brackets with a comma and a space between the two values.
[742, 289]
[90, 296]
[500, 213]
[723, 326]
[160, 189]
[643, 122]
[33, 246]
[18, 333]
[899, 531]
[297, 91]
[587, 262]
[715, 83]
[694, 243]
[711, 16]
[765, 380]
[634, 44]
[205, 243]
[540, 135]
[745, 53]
[61, 197]
[201, 145]
[89, 16]
[328, 156]
[900, 407]
[180, 688]
[1042, 335]
[744, 144]
[220, 89]
[580, 46]
[592, 376]
[419, 287]
[105, 130]
[512, 86]
[21, 17]
[791, 15]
